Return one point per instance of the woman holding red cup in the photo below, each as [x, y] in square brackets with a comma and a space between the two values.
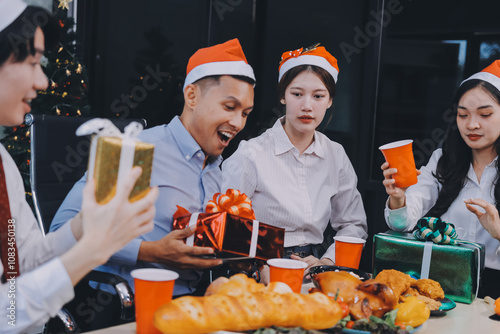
[460, 184]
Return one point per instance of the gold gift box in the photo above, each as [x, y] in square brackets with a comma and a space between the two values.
[107, 162]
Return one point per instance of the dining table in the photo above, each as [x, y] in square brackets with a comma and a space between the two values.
[464, 318]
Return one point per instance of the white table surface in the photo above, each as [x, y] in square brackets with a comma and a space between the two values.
[465, 318]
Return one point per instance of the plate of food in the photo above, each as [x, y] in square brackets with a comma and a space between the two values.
[446, 305]
[361, 275]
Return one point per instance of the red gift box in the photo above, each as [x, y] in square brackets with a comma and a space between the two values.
[231, 235]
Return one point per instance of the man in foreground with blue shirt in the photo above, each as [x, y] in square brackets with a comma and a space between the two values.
[218, 96]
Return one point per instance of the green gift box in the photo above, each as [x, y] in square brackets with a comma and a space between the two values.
[457, 268]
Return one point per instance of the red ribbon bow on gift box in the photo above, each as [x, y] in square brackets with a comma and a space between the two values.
[234, 202]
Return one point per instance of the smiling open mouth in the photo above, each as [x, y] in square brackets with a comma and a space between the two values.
[225, 136]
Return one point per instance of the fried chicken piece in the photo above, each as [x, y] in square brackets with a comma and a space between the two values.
[430, 303]
[399, 282]
[411, 291]
[429, 288]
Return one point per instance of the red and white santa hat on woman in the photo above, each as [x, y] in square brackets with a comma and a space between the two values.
[313, 55]
[221, 59]
[10, 11]
[490, 74]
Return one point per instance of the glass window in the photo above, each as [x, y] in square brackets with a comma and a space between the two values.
[419, 80]
[489, 51]
[139, 55]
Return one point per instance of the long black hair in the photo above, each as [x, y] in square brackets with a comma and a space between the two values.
[454, 164]
[18, 38]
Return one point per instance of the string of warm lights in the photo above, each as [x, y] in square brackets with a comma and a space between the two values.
[65, 96]
[66, 66]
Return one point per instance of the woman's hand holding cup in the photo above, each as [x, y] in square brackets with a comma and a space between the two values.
[397, 195]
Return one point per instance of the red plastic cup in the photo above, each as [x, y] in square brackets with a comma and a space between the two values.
[399, 155]
[153, 288]
[287, 271]
[348, 251]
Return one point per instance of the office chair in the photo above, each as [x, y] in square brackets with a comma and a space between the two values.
[59, 159]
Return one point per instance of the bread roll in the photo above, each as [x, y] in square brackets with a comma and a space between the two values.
[249, 311]
[278, 287]
[237, 285]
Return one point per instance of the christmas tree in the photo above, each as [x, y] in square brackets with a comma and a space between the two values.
[65, 95]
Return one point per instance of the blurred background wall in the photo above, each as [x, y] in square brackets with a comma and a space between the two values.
[400, 63]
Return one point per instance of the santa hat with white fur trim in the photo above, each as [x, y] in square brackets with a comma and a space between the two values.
[313, 55]
[10, 11]
[490, 74]
[221, 59]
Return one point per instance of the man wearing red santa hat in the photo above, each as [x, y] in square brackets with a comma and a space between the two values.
[218, 96]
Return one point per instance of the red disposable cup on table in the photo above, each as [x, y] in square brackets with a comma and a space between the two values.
[348, 251]
[399, 155]
[153, 288]
[287, 271]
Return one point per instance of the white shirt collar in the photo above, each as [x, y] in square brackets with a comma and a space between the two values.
[472, 174]
[282, 143]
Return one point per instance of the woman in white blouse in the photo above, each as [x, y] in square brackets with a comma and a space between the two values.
[296, 177]
[460, 182]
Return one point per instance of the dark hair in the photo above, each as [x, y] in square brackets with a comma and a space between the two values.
[323, 74]
[18, 38]
[204, 82]
[454, 164]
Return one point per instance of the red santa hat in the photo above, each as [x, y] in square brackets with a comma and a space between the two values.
[221, 59]
[313, 55]
[490, 74]
[10, 11]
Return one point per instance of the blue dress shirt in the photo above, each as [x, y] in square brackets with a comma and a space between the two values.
[181, 179]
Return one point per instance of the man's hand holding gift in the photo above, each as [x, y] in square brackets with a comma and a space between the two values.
[172, 250]
[230, 228]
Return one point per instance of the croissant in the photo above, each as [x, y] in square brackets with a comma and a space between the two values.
[246, 312]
